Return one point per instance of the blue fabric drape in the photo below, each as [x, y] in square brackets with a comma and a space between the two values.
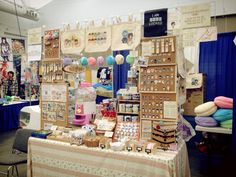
[217, 62]
[10, 114]
[120, 72]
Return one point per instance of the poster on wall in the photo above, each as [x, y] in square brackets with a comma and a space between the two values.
[18, 47]
[196, 15]
[34, 52]
[17, 68]
[6, 49]
[4, 68]
[98, 39]
[155, 23]
[126, 36]
[72, 42]
[34, 36]
[174, 19]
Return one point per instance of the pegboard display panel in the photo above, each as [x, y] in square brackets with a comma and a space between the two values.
[52, 44]
[152, 105]
[158, 78]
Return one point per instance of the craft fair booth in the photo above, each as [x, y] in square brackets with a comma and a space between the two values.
[122, 96]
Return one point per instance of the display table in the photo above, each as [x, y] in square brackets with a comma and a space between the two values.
[214, 129]
[52, 158]
[9, 114]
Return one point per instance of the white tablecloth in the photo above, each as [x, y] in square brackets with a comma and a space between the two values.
[52, 158]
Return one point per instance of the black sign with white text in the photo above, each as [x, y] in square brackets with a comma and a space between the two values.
[155, 23]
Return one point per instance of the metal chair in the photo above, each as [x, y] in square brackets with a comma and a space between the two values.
[19, 152]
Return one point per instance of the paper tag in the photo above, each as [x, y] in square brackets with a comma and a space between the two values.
[170, 109]
[235, 40]
[47, 126]
[109, 134]
[53, 127]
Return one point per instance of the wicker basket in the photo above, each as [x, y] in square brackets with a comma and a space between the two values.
[91, 141]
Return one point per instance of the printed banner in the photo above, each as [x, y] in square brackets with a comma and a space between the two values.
[126, 36]
[98, 39]
[155, 23]
[192, 36]
[34, 52]
[6, 49]
[72, 42]
[34, 36]
[195, 15]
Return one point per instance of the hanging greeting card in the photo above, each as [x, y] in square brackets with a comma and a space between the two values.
[98, 39]
[72, 41]
[126, 36]
[52, 44]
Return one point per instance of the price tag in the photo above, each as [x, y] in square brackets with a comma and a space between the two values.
[109, 134]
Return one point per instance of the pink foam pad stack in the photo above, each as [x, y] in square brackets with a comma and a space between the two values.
[224, 102]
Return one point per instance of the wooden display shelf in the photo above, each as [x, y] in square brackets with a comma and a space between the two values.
[214, 129]
[165, 119]
[128, 113]
[156, 91]
[163, 64]
[130, 101]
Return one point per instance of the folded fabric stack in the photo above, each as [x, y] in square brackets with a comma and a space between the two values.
[209, 116]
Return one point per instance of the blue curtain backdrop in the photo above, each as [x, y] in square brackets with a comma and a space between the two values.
[120, 72]
[218, 62]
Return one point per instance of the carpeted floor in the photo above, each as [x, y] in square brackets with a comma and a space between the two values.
[6, 141]
[201, 164]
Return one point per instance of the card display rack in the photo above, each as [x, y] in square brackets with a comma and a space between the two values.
[157, 84]
[52, 71]
[160, 50]
[54, 104]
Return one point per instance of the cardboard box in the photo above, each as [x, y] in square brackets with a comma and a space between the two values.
[194, 97]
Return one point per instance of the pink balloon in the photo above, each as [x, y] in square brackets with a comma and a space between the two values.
[92, 61]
